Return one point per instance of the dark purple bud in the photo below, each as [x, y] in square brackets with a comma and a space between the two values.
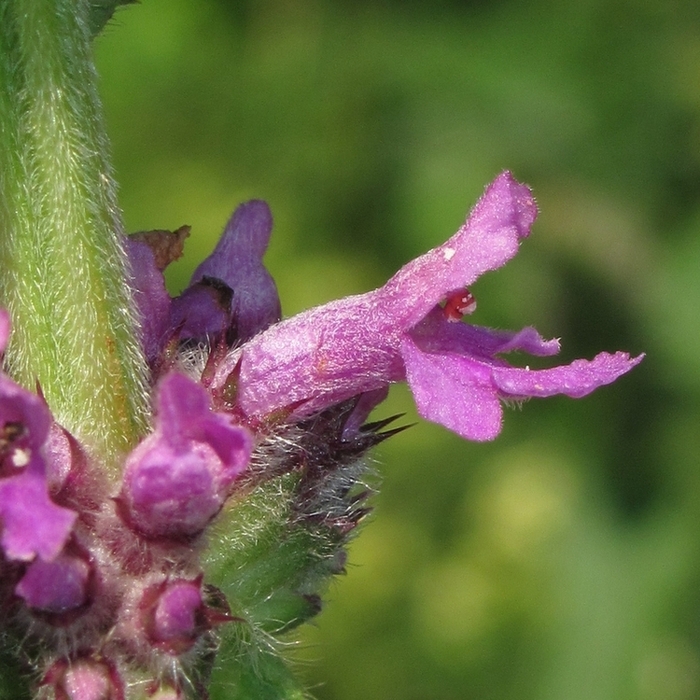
[202, 310]
[237, 261]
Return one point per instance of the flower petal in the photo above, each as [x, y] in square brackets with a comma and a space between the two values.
[203, 310]
[436, 334]
[55, 586]
[171, 494]
[453, 390]
[237, 261]
[182, 405]
[152, 299]
[320, 357]
[486, 241]
[579, 378]
[173, 620]
[185, 416]
[178, 478]
[32, 523]
[24, 418]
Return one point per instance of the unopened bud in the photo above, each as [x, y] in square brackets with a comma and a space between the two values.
[167, 694]
[177, 479]
[173, 615]
[56, 587]
[84, 679]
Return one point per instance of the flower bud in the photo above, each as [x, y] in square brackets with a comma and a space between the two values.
[237, 262]
[173, 615]
[84, 679]
[203, 309]
[177, 479]
[167, 694]
[56, 587]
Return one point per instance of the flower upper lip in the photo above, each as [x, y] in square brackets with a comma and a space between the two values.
[486, 241]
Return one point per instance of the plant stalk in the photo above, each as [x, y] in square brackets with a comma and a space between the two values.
[63, 272]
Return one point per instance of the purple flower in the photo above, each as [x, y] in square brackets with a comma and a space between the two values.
[237, 261]
[399, 332]
[32, 523]
[231, 292]
[178, 478]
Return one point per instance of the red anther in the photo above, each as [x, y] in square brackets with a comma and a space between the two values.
[459, 304]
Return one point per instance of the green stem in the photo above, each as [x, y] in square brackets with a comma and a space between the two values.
[62, 266]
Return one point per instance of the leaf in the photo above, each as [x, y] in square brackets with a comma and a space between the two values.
[250, 670]
[271, 568]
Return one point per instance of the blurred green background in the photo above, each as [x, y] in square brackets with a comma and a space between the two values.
[562, 561]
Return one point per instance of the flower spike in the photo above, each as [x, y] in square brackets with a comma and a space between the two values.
[262, 426]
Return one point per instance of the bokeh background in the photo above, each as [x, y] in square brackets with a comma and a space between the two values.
[562, 561]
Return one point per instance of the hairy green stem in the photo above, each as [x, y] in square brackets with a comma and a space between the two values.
[63, 273]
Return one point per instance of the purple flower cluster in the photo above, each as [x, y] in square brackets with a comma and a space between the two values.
[113, 568]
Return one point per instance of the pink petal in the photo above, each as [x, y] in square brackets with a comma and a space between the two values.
[32, 523]
[486, 241]
[455, 391]
[579, 378]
